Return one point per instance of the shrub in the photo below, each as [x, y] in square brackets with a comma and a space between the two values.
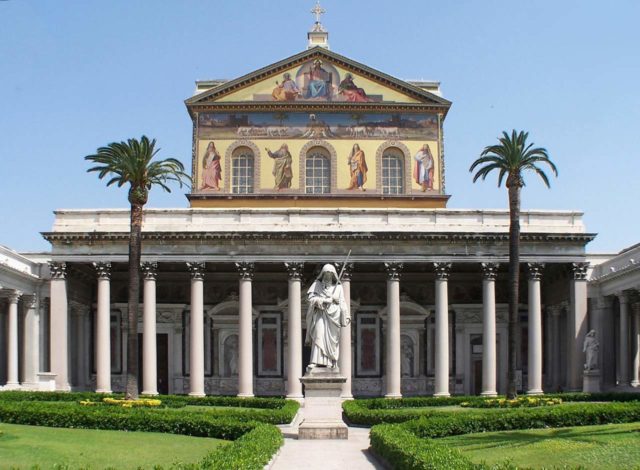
[405, 451]
[121, 419]
[452, 424]
[251, 451]
[268, 410]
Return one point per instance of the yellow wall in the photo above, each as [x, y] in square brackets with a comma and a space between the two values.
[342, 146]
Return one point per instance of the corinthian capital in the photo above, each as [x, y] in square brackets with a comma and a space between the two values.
[196, 270]
[295, 270]
[58, 270]
[535, 271]
[443, 270]
[579, 271]
[245, 270]
[103, 270]
[394, 270]
[489, 271]
[149, 270]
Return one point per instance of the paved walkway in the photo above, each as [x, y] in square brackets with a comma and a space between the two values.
[325, 454]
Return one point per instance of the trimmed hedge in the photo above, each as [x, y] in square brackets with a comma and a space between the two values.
[575, 414]
[122, 419]
[252, 451]
[411, 446]
[384, 410]
[254, 443]
[406, 451]
[266, 410]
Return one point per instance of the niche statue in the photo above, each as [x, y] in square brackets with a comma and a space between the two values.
[327, 313]
[590, 347]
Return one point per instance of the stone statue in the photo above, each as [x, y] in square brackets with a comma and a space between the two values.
[327, 313]
[231, 355]
[590, 347]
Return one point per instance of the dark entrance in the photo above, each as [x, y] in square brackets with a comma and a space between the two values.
[162, 354]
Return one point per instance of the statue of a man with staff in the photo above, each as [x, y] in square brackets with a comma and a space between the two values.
[327, 314]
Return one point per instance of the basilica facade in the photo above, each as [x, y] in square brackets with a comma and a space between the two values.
[313, 159]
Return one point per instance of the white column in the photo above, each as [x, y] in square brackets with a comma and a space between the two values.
[576, 326]
[196, 350]
[344, 358]
[623, 352]
[59, 342]
[103, 328]
[442, 271]
[393, 367]
[31, 342]
[149, 347]
[635, 344]
[535, 330]
[294, 363]
[12, 341]
[245, 362]
[489, 273]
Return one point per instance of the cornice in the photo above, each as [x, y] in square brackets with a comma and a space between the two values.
[305, 235]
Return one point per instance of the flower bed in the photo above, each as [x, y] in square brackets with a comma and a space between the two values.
[139, 403]
[520, 402]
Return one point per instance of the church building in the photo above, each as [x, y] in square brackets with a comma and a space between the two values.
[313, 159]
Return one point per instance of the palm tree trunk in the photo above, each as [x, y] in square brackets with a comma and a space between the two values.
[514, 285]
[135, 247]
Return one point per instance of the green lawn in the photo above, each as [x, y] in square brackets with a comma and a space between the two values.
[610, 446]
[26, 446]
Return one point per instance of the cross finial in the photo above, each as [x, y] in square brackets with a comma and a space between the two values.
[318, 10]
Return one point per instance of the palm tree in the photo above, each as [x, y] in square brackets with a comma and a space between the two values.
[131, 162]
[512, 157]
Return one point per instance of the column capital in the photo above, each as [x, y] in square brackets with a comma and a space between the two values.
[197, 270]
[635, 307]
[393, 271]
[295, 270]
[149, 270]
[603, 302]
[443, 270]
[579, 271]
[58, 270]
[555, 310]
[623, 297]
[347, 271]
[489, 271]
[14, 296]
[103, 269]
[535, 271]
[30, 301]
[246, 270]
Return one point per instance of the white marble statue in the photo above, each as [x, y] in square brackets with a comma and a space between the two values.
[590, 347]
[327, 313]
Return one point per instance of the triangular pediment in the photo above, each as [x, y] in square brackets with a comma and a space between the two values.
[317, 75]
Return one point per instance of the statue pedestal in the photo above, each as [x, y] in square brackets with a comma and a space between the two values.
[591, 381]
[323, 405]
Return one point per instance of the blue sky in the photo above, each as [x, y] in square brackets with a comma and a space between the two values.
[77, 74]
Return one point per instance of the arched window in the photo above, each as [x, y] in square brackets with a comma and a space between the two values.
[318, 176]
[392, 172]
[242, 170]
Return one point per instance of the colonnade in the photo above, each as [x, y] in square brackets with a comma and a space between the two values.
[59, 339]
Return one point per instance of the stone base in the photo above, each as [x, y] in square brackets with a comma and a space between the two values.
[320, 430]
[591, 381]
[323, 405]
